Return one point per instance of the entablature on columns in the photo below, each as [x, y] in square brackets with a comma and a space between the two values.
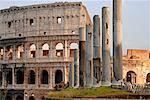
[37, 64]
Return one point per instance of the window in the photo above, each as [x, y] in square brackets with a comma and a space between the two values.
[131, 77]
[20, 51]
[9, 24]
[9, 53]
[31, 77]
[59, 20]
[58, 76]
[1, 53]
[73, 47]
[107, 41]
[31, 22]
[73, 32]
[148, 78]
[19, 35]
[9, 77]
[44, 77]
[1, 78]
[45, 33]
[20, 77]
[106, 26]
[45, 49]
[32, 51]
[59, 50]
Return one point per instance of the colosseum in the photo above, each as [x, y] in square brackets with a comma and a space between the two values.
[37, 46]
[39, 49]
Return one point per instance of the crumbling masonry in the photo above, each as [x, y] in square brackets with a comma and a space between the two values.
[44, 45]
[37, 46]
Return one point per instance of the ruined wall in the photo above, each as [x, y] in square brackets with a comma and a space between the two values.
[50, 19]
[138, 62]
[37, 41]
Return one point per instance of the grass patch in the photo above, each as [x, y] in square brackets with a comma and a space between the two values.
[86, 92]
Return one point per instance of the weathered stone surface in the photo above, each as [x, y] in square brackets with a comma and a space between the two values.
[82, 57]
[24, 33]
[117, 39]
[89, 56]
[96, 49]
[106, 69]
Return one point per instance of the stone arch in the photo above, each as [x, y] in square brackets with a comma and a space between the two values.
[19, 97]
[9, 54]
[45, 49]
[1, 53]
[148, 78]
[59, 49]
[20, 50]
[1, 78]
[44, 77]
[73, 47]
[58, 76]
[131, 77]
[9, 77]
[8, 97]
[32, 50]
[31, 98]
[19, 76]
[31, 79]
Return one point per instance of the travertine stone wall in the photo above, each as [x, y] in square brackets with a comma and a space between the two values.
[137, 61]
[39, 24]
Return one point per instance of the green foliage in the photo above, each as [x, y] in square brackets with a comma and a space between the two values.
[86, 92]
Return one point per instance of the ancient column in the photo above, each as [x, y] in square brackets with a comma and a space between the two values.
[96, 48]
[117, 40]
[82, 58]
[75, 67]
[106, 70]
[89, 56]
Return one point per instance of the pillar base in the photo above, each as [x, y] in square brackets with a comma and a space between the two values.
[107, 83]
[97, 84]
[117, 84]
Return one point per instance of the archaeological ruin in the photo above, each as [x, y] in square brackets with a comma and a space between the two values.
[44, 45]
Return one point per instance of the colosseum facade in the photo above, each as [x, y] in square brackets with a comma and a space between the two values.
[37, 44]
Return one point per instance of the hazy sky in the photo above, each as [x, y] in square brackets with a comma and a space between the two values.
[136, 18]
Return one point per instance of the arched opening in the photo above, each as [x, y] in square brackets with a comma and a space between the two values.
[31, 77]
[73, 46]
[19, 97]
[31, 98]
[20, 51]
[131, 77]
[148, 78]
[59, 50]
[9, 77]
[9, 54]
[1, 53]
[44, 77]
[58, 76]
[8, 97]
[1, 78]
[32, 51]
[45, 49]
[20, 76]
